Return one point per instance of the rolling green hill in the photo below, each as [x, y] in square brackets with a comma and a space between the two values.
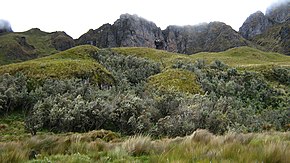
[74, 62]
[79, 62]
[236, 57]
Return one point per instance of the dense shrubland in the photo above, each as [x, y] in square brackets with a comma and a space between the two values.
[231, 100]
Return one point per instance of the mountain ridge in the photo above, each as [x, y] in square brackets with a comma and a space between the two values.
[134, 31]
[270, 30]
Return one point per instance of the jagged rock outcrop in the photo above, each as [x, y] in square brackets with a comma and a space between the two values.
[276, 38]
[128, 30]
[279, 12]
[133, 31]
[272, 30]
[255, 24]
[213, 37]
[61, 41]
[102, 37]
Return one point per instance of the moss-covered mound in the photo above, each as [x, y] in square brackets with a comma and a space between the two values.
[74, 62]
[175, 79]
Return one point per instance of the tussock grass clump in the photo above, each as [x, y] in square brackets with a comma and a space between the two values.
[105, 135]
[138, 145]
[13, 152]
[236, 137]
[201, 146]
[201, 135]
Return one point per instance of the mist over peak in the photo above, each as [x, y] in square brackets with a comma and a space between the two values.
[277, 4]
[279, 11]
[5, 26]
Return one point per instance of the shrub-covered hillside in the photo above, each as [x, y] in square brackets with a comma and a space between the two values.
[140, 90]
[133, 91]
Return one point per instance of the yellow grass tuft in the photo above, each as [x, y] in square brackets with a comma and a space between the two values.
[137, 145]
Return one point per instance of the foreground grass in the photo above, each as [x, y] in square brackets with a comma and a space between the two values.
[107, 146]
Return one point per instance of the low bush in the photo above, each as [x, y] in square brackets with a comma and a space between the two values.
[13, 93]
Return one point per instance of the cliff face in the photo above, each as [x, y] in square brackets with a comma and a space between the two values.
[279, 12]
[255, 24]
[272, 30]
[128, 30]
[213, 37]
[268, 31]
[133, 31]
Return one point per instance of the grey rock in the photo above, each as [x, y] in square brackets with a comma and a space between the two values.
[128, 30]
[254, 25]
[61, 41]
[279, 12]
[134, 31]
[131, 30]
[212, 37]
[270, 31]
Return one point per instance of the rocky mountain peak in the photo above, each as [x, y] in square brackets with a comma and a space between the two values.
[214, 36]
[279, 12]
[134, 31]
[131, 30]
[254, 25]
[257, 23]
[271, 30]
[128, 30]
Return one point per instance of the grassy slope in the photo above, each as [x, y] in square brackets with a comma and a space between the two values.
[74, 62]
[12, 51]
[41, 41]
[236, 57]
[246, 57]
[243, 58]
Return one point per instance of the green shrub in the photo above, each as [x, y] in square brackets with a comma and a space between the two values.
[234, 100]
[13, 93]
[131, 68]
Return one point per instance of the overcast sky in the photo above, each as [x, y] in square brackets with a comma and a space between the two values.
[76, 17]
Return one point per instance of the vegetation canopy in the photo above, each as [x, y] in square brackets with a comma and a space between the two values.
[88, 99]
